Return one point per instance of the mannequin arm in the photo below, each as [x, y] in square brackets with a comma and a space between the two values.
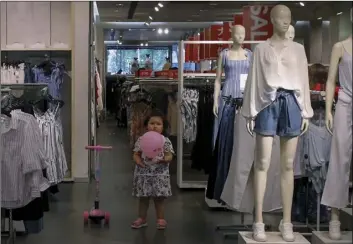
[307, 111]
[217, 84]
[331, 84]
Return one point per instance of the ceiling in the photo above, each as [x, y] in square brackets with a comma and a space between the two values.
[128, 18]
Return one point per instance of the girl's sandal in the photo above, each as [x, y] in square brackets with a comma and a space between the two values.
[161, 224]
[139, 223]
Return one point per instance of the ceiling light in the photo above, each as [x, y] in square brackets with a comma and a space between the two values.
[146, 44]
[160, 31]
[141, 44]
[319, 18]
[302, 4]
[119, 5]
[116, 10]
[156, 9]
[213, 4]
[129, 29]
[166, 31]
[160, 5]
[339, 13]
[153, 29]
[198, 33]
[147, 23]
[150, 17]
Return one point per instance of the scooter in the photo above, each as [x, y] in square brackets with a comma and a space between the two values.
[96, 215]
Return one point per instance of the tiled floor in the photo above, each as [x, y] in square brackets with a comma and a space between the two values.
[190, 221]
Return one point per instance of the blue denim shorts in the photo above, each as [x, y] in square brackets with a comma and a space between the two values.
[282, 117]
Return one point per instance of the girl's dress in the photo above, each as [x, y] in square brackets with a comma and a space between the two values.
[153, 180]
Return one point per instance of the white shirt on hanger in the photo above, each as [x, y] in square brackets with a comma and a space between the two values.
[270, 71]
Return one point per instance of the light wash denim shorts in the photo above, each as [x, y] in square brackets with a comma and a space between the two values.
[282, 117]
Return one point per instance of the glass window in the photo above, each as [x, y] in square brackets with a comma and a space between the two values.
[122, 58]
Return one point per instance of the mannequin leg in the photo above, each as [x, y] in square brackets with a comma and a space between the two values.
[262, 163]
[288, 150]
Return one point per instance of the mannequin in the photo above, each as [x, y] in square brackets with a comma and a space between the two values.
[277, 102]
[235, 62]
[290, 34]
[335, 192]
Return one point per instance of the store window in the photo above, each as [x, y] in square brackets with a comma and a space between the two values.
[122, 58]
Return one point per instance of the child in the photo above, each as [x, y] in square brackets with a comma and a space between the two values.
[151, 178]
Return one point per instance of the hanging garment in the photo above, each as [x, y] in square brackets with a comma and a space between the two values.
[201, 155]
[51, 131]
[223, 151]
[319, 145]
[172, 115]
[13, 74]
[139, 112]
[233, 69]
[188, 110]
[238, 191]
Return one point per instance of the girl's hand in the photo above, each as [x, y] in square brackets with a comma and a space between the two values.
[140, 163]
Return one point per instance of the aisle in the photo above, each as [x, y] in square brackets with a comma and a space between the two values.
[189, 220]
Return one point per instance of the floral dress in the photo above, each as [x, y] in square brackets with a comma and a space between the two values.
[153, 180]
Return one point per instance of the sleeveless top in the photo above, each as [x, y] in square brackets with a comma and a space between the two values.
[345, 72]
[232, 70]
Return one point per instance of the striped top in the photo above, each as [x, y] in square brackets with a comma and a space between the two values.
[233, 69]
[22, 160]
[345, 73]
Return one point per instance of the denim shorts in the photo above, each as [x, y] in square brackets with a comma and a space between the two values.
[282, 117]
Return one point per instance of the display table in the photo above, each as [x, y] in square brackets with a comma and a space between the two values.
[272, 238]
[321, 237]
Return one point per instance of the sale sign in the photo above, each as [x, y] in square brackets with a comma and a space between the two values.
[257, 23]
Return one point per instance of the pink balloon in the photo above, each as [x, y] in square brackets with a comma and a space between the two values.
[152, 144]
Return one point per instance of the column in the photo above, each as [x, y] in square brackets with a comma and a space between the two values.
[80, 89]
[315, 41]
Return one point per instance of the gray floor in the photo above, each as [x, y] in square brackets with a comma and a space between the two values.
[190, 221]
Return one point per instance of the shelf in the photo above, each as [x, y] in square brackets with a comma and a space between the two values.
[35, 49]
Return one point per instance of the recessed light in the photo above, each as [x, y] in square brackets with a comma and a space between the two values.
[160, 5]
[302, 4]
[319, 18]
[160, 31]
[166, 31]
[198, 33]
[156, 9]
[119, 5]
[150, 17]
[141, 44]
[146, 44]
[339, 13]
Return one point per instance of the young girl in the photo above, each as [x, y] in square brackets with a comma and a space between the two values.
[152, 179]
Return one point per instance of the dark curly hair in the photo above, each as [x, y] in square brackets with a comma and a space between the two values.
[158, 113]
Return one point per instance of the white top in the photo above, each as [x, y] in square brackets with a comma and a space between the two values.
[270, 71]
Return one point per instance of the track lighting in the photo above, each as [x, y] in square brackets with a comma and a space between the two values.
[156, 9]
[150, 17]
[319, 18]
[302, 4]
[160, 5]
[339, 13]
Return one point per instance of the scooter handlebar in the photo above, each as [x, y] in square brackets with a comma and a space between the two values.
[98, 147]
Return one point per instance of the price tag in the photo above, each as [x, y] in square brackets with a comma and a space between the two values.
[243, 78]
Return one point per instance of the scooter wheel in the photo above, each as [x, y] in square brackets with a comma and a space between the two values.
[106, 218]
[85, 217]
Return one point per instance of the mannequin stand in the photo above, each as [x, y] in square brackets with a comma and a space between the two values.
[272, 238]
[319, 237]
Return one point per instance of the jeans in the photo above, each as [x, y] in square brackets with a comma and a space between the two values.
[33, 226]
[282, 117]
[223, 150]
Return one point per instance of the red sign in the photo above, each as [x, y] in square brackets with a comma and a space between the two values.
[202, 46]
[196, 50]
[257, 22]
[227, 30]
[215, 48]
[191, 50]
[207, 46]
[238, 19]
[187, 51]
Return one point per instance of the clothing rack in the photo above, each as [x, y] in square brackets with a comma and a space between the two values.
[37, 88]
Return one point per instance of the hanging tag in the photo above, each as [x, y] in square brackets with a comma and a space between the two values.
[243, 78]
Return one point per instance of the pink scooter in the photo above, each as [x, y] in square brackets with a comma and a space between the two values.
[96, 215]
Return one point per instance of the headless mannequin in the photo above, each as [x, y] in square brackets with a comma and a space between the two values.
[235, 53]
[336, 55]
[280, 18]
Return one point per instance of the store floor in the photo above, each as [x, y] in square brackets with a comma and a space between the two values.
[190, 221]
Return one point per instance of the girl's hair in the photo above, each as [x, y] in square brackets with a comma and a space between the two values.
[157, 113]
